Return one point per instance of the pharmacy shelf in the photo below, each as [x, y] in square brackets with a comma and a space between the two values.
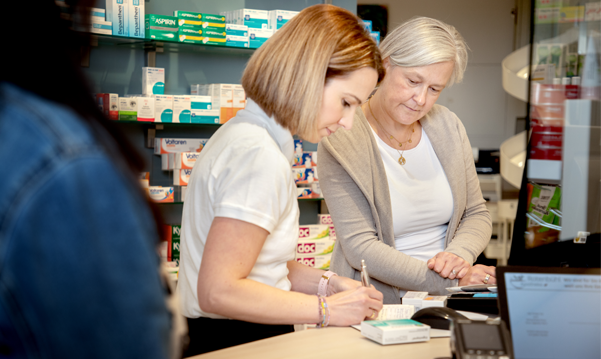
[167, 46]
[142, 123]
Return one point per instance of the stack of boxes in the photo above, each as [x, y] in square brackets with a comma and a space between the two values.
[374, 34]
[126, 17]
[170, 249]
[304, 170]
[316, 243]
[226, 99]
[200, 28]
[261, 24]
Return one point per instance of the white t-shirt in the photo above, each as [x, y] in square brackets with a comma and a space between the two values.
[244, 172]
[421, 198]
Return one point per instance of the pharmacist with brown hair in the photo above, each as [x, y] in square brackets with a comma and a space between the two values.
[238, 279]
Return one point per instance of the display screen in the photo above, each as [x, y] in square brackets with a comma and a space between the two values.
[481, 336]
[554, 316]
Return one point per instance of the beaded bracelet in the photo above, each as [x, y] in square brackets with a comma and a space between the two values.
[324, 311]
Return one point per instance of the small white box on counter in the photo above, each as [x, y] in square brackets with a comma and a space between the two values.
[415, 299]
[395, 331]
[434, 301]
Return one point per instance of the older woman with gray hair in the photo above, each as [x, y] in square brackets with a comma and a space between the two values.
[401, 186]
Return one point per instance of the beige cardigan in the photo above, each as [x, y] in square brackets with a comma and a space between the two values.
[354, 184]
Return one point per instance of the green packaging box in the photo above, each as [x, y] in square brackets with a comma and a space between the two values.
[201, 40]
[204, 32]
[161, 27]
[191, 24]
[199, 16]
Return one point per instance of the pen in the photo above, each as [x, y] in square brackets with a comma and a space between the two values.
[364, 274]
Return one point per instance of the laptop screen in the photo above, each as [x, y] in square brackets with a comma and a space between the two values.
[552, 315]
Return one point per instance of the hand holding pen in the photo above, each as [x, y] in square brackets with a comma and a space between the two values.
[365, 282]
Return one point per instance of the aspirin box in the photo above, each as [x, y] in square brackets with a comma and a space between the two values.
[313, 231]
[171, 145]
[315, 247]
[160, 194]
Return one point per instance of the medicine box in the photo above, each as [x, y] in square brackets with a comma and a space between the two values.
[201, 110]
[171, 145]
[434, 301]
[135, 23]
[153, 81]
[307, 160]
[376, 36]
[145, 111]
[305, 192]
[197, 39]
[415, 299]
[277, 18]
[395, 331]
[315, 247]
[97, 14]
[118, 13]
[109, 105]
[319, 262]
[236, 30]
[238, 99]
[161, 27]
[160, 194]
[198, 16]
[257, 37]
[368, 25]
[222, 98]
[203, 32]
[128, 107]
[163, 108]
[181, 177]
[179, 160]
[324, 219]
[181, 109]
[101, 27]
[237, 41]
[305, 175]
[257, 19]
[313, 231]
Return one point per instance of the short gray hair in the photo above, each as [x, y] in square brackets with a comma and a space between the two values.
[423, 41]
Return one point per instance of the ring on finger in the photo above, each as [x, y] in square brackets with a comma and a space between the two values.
[373, 314]
[454, 272]
[485, 281]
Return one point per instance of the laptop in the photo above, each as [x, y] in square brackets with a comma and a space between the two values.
[551, 312]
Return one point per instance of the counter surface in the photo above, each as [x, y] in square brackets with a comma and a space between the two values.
[331, 343]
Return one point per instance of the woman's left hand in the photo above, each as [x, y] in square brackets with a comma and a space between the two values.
[448, 265]
[340, 284]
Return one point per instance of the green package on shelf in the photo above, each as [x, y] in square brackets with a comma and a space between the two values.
[199, 31]
[201, 40]
[199, 16]
[161, 27]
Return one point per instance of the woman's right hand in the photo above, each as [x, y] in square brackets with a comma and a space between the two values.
[353, 306]
[477, 275]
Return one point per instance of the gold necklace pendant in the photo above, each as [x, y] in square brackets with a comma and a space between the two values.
[402, 160]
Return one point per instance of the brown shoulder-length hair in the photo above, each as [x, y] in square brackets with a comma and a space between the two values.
[287, 74]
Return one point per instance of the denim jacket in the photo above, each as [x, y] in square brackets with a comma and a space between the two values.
[78, 267]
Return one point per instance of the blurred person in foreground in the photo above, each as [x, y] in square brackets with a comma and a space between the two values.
[79, 269]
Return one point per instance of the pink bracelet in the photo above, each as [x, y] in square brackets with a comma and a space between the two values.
[322, 288]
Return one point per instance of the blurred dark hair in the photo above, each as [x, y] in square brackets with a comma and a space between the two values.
[44, 57]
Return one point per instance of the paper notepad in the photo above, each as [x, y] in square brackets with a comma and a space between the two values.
[396, 311]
